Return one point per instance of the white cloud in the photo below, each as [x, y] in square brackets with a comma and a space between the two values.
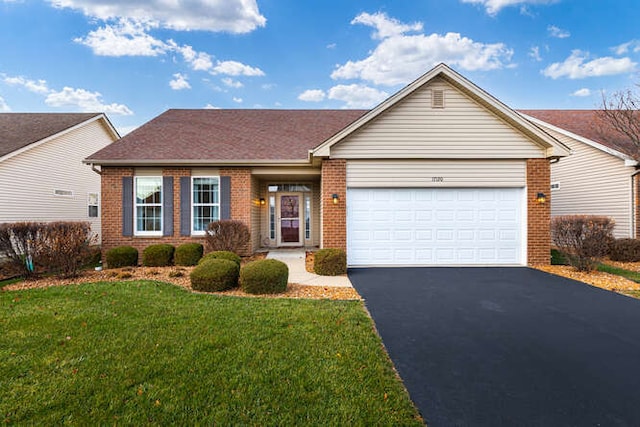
[268, 86]
[576, 66]
[357, 96]
[36, 86]
[582, 92]
[125, 38]
[237, 100]
[211, 107]
[492, 7]
[123, 130]
[4, 107]
[235, 16]
[331, 46]
[235, 68]
[534, 53]
[558, 32]
[199, 61]
[400, 59]
[84, 101]
[633, 45]
[384, 25]
[179, 82]
[312, 95]
[228, 81]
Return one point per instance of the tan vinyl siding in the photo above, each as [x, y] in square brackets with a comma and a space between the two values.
[413, 129]
[29, 179]
[592, 182]
[436, 173]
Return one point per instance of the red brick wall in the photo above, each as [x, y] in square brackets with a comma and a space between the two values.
[241, 198]
[539, 214]
[334, 216]
[111, 186]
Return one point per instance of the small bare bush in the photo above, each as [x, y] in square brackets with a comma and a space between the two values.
[585, 239]
[227, 235]
[20, 243]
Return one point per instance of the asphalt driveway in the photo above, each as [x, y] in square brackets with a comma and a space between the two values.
[508, 346]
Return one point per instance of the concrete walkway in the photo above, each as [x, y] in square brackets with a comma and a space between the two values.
[295, 260]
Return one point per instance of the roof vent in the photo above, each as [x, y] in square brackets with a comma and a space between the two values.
[437, 98]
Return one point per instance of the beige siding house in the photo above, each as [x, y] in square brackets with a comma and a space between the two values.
[599, 177]
[441, 173]
[42, 177]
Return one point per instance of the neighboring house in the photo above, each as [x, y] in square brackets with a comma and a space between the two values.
[441, 173]
[600, 177]
[42, 177]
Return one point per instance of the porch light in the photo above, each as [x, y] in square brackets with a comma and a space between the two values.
[335, 198]
[541, 198]
[262, 201]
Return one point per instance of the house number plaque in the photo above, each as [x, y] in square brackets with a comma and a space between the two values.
[437, 179]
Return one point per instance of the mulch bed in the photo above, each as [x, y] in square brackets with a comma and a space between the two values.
[179, 276]
[599, 279]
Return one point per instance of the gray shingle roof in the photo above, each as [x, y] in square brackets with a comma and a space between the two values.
[17, 130]
[228, 135]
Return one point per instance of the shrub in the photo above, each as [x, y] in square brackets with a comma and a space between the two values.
[330, 262]
[558, 258]
[160, 255]
[215, 275]
[122, 256]
[230, 256]
[265, 276]
[625, 250]
[57, 247]
[188, 254]
[227, 235]
[583, 239]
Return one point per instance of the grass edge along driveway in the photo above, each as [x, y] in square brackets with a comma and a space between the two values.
[149, 352]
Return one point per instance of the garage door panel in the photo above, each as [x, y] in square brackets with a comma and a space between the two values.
[431, 226]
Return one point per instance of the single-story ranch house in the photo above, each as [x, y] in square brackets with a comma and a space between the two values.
[42, 177]
[600, 177]
[441, 173]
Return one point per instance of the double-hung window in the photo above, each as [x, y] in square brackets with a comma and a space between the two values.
[148, 206]
[205, 202]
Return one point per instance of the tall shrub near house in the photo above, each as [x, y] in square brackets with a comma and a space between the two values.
[585, 239]
[227, 235]
[19, 243]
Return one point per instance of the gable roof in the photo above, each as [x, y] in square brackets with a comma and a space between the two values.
[552, 147]
[211, 136]
[19, 130]
[588, 125]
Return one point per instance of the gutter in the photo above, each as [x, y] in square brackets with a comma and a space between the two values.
[196, 162]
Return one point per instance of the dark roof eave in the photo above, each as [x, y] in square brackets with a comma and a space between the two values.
[196, 162]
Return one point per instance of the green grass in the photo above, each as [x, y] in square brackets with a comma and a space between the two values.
[627, 274]
[150, 353]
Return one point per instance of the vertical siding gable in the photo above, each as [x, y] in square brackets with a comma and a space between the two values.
[414, 129]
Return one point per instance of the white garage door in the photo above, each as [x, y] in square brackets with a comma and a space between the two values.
[429, 226]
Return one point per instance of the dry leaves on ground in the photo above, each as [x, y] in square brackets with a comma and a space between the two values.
[602, 280]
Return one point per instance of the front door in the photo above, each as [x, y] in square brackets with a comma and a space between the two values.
[289, 220]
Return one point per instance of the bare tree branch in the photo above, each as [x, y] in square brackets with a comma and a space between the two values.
[620, 113]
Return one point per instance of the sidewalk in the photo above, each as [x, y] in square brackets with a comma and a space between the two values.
[295, 260]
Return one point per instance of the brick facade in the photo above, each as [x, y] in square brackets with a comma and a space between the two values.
[111, 187]
[334, 216]
[538, 214]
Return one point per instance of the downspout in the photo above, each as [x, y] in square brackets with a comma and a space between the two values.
[99, 172]
[634, 232]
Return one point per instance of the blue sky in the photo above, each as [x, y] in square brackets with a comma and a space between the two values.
[133, 59]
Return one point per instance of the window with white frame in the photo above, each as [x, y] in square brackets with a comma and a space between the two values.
[205, 202]
[93, 200]
[148, 205]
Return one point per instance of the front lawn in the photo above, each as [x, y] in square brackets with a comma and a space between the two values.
[147, 352]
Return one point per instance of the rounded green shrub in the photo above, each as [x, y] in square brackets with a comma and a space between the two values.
[625, 250]
[330, 262]
[122, 256]
[215, 275]
[188, 254]
[265, 276]
[160, 255]
[228, 255]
